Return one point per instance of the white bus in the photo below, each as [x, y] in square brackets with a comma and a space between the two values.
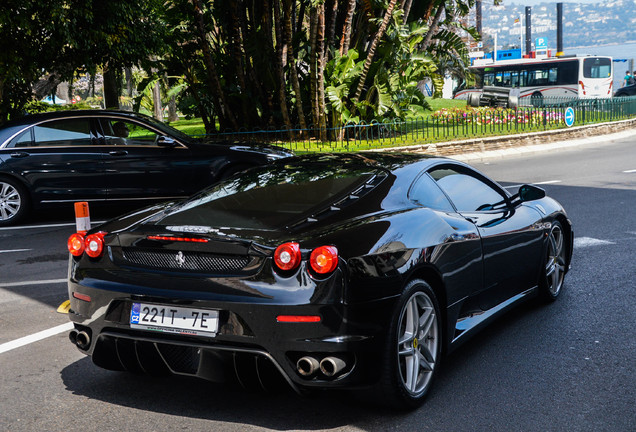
[582, 77]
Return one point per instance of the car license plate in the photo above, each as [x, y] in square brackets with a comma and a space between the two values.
[172, 319]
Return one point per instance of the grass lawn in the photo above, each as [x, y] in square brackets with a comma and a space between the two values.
[426, 129]
[195, 126]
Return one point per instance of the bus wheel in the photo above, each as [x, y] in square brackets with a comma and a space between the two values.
[474, 99]
[536, 99]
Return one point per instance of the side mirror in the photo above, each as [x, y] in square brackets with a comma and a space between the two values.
[530, 193]
[164, 141]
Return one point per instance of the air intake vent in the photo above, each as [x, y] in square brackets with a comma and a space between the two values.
[185, 261]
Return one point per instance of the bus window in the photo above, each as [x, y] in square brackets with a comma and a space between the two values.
[514, 79]
[597, 68]
[506, 79]
[537, 77]
[552, 76]
[489, 79]
[499, 81]
[568, 72]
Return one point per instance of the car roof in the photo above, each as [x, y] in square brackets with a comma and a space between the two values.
[11, 128]
[52, 115]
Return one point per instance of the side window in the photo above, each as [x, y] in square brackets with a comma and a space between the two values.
[67, 132]
[552, 75]
[25, 139]
[467, 192]
[427, 194]
[123, 132]
[514, 81]
[568, 72]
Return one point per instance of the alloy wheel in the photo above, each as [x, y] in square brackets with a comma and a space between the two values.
[10, 201]
[555, 265]
[418, 340]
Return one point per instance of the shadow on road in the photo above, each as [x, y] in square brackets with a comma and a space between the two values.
[199, 399]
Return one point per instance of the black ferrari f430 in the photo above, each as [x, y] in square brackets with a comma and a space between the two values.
[331, 271]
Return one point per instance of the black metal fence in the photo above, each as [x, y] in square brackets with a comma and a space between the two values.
[443, 125]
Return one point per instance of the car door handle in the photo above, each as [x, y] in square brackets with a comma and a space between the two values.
[118, 153]
[19, 154]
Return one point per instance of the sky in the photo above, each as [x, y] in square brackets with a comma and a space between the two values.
[536, 2]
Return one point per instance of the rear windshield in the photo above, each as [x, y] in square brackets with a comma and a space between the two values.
[597, 68]
[268, 199]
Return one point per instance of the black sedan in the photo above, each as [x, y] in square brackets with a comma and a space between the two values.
[629, 90]
[334, 271]
[57, 158]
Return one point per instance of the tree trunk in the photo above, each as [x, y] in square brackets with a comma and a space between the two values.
[218, 96]
[291, 61]
[129, 82]
[265, 92]
[374, 45]
[282, 96]
[407, 9]
[346, 30]
[209, 125]
[236, 47]
[331, 27]
[111, 89]
[156, 102]
[313, 63]
[433, 27]
[45, 87]
[172, 110]
[4, 114]
[322, 121]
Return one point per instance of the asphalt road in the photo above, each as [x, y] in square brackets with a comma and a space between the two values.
[568, 366]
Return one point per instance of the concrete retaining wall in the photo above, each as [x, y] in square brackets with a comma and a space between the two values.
[486, 144]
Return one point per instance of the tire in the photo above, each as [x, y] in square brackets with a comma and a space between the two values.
[473, 99]
[553, 271]
[411, 355]
[14, 202]
[536, 100]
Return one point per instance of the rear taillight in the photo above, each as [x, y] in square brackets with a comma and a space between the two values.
[287, 256]
[324, 259]
[76, 244]
[582, 87]
[94, 244]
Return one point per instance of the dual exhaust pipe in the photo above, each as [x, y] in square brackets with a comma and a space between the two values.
[81, 339]
[329, 366]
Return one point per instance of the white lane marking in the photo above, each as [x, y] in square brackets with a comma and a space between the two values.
[548, 182]
[581, 242]
[40, 282]
[630, 171]
[15, 250]
[8, 346]
[537, 183]
[45, 226]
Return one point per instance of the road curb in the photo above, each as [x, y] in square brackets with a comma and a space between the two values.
[532, 142]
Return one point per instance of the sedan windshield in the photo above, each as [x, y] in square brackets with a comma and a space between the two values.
[269, 199]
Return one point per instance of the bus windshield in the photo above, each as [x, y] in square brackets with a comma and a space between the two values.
[597, 67]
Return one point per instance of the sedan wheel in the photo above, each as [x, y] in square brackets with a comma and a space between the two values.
[12, 202]
[415, 348]
[554, 272]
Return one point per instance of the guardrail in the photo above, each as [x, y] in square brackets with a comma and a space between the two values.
[441, 126]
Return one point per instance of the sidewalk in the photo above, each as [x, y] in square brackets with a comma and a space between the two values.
[542, 148]
[518, 144]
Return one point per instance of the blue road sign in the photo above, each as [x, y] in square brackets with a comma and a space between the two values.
[569, 116]
[541, 43]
